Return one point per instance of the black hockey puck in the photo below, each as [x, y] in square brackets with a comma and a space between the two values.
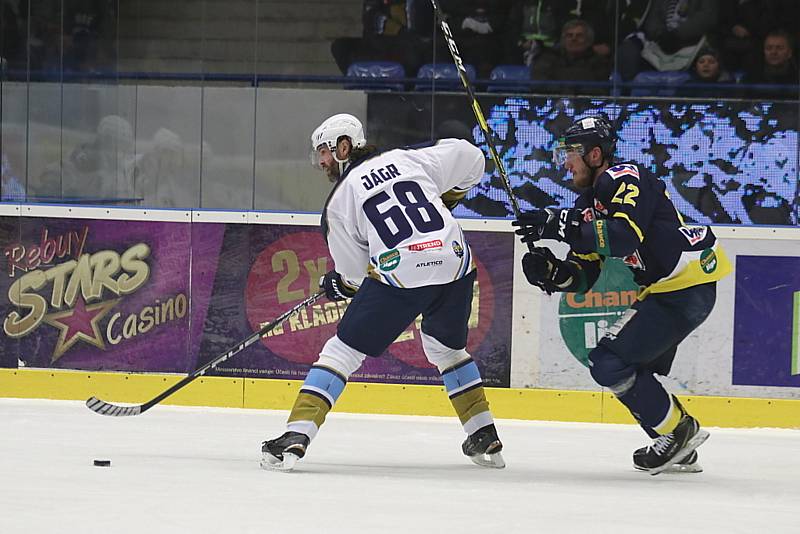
[102, 463]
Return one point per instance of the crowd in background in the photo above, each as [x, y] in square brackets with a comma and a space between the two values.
[712, 41]
[36, 37]
[749, 42]
[565, 46]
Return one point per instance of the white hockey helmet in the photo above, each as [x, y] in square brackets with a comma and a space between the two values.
[333, 128]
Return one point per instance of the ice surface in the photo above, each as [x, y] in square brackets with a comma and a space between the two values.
[196, 470]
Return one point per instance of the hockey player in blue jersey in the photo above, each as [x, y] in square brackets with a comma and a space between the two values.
[623, 211]
[398, 253]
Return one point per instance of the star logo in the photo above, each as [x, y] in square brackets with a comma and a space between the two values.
[79, 324]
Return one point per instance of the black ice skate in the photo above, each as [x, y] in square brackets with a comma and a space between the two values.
[669, 449]
[483, 447]
[281, 454]
[687, 465]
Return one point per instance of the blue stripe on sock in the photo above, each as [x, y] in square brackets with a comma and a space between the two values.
[460, 375]
[326, 380]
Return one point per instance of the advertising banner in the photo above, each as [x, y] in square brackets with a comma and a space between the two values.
[168, 296]
[766, 331]
[571, 324]
[583, 319]
[104, 295]
[264, 270]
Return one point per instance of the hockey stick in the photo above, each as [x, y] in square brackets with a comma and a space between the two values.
[476, 108]
[106, 408]
[484, 126]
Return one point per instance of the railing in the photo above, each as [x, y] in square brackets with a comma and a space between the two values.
[542, 87]
[242, 142]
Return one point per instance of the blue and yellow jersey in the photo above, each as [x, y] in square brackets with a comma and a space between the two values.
[628, 215]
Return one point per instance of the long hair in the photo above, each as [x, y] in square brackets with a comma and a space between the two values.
[363, 152]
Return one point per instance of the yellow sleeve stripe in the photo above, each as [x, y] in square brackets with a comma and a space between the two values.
[635, 227]
[592, 256]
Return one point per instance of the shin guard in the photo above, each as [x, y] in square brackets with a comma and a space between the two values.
[465, 389]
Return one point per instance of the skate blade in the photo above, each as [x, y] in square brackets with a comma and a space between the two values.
[677, 468]
[691, 445]
[272, 463]
[489, 460]
[682, 468]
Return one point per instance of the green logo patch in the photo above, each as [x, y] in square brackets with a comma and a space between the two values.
[389, 260]
[708, 261]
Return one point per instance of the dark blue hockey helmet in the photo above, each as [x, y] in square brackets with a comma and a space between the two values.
[583, 136]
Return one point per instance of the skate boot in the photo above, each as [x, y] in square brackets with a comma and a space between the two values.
[669, 449]
[687, 465]
[281, 454]
[483, 447]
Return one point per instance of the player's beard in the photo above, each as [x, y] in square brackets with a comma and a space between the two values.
[332, 173]
[583, 178]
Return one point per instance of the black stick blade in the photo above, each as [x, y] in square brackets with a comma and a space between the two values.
[106, 408]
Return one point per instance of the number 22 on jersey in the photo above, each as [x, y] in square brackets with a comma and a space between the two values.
[626, 194]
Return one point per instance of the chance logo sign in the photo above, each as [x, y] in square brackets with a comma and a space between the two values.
[584, 319]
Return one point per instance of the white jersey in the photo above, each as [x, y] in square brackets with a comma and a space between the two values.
[385, 217]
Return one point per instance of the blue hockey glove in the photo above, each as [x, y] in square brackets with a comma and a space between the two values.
[335, 288]
[549, 223]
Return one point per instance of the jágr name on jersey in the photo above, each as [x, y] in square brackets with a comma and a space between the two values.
[378, 176]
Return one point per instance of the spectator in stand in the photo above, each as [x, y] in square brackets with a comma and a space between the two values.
[707, 71]
[86, 47]
[671, 34]
[574, 60]
[12, 188]
[628, 15]
[72, 37]
[100, 171]
[744, 25]
[477, 27]
[533, 26]
[158, 173]
[394, 30]
[777, 67]
[12, 41]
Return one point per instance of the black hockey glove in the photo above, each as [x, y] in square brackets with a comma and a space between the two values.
[549, 223]
[452, 198]
[335, 288]
[544, 270]
[450, 204]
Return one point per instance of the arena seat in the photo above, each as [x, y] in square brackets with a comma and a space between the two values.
[509, 73]
[655, 83]
[373, 71]
[445, 75]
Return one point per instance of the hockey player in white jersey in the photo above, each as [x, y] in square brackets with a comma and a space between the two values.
[398, 253]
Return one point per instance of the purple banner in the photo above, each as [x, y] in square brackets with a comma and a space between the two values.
[104, 295]
[264, 270]
[168, 297]
[766, 322]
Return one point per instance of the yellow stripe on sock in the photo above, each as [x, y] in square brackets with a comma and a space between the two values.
[309, 407]
[470, 404]
[669, 422]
